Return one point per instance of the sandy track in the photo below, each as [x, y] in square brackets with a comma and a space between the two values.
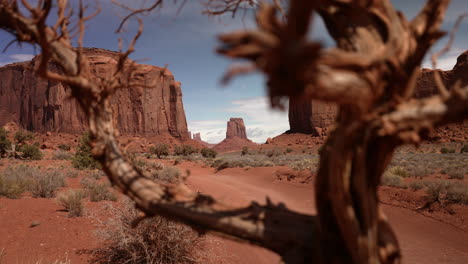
[423, 240]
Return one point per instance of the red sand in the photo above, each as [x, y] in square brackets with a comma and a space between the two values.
[423, 240]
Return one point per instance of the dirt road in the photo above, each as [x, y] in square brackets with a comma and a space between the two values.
[423, 240]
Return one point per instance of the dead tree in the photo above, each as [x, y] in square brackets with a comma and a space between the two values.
[371, 75]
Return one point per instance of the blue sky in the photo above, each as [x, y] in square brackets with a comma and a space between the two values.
[186, 41]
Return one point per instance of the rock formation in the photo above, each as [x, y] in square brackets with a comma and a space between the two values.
[236, 137]
[40, 105]
[236, 128]
[197, 137]
[314, 117]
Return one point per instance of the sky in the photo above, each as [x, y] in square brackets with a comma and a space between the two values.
[185, 41]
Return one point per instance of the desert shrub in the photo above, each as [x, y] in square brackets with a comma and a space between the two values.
[185, 150]
[455, 173]
[61, 155]
[419, 171]
[400, 171]
[72, 173]
[72, 201]
[45, 185]
[275, 152]
[5, 144]
[96, 174]
[457, 193]
[160, 150]
[155, 240]
[21, 136]
[289, 150]
[392, 180]
[245, 151]
[140, 163]
[417, 185]
[99, 191]
[209, 153]
[436, 189]
[65, 147]
[445, 150]
[464, 149]
[304, 164]
[83, 159]
[167, 174]
[220, 164]
[15, 180]
[155, 165]
[31, 152]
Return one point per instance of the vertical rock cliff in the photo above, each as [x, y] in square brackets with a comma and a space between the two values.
[236, 128]
[310, 117]
[41, 105]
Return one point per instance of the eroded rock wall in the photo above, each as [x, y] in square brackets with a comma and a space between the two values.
[40, 105]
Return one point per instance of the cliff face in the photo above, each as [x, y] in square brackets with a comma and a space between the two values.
[41, 105]
[236, 128]
[310, 117]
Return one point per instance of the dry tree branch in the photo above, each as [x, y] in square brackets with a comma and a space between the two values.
[266, 225]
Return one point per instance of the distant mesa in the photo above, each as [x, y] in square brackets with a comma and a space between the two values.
[236, 137]
[316, 117]
[40, 105]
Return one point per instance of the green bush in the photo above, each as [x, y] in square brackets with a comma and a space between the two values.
[65, 147]
[21, 136]
[185, 150]
[31, 152]
[72, 202]
[83, 158]
[5, 144]
[447, 150]
[289, 150]
[208, 153]
[160, 150]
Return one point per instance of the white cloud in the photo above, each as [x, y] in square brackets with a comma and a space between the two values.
[15, 58]
[445, 62]
[21, 57]
[261, 122]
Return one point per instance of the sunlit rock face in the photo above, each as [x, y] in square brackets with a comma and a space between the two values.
[236, 128]
[40, 105]
[311, 117]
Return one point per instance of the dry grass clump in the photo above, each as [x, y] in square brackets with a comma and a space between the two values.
[61, 155]
[444, 191]
[47, 184]
[72, 201]
[392, 180]
[417, 185]
[98, 191]
[154, 240]
[167, 174]
[16, 180]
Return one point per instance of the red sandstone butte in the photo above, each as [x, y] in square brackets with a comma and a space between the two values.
[40, 105]
[236, 128]
[307, 116]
